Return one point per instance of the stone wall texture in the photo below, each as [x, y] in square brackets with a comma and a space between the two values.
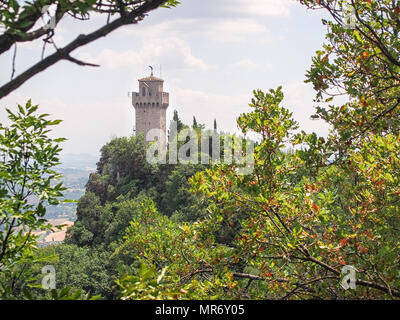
[150, 105]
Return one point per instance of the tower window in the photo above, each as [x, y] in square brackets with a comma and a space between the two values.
[143, 91]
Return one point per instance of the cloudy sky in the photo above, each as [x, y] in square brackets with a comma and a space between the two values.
[213, 53]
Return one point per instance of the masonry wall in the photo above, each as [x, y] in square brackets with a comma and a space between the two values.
[150, 105]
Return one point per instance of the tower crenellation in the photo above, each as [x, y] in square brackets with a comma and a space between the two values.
[150, 103]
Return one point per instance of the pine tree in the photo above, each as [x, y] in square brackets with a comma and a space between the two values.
[194, 123]
[178, 121]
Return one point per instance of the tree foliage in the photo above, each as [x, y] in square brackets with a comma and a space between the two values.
[331, 202]
[284, 230]
[28, 182]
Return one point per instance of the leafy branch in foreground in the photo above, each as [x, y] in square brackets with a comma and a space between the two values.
[28, 182]
[305, 218]
[19, 23]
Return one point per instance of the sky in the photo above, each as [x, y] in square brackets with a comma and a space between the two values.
[211, 53]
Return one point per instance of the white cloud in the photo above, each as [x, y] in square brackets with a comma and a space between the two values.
[237, 30]
[172, 53]
[245, 64]
[92, 122]
[299, 99]
[261, 7]
[226, 108]
[219, 29]
[206, 106]
[229, 34]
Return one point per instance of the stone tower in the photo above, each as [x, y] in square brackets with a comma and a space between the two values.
[150, 105]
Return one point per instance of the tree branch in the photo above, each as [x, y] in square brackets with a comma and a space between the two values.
[132, 17]
[9, 38]
[81, 63]
[300, 285]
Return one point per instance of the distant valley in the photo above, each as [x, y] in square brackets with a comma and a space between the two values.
[75, 169]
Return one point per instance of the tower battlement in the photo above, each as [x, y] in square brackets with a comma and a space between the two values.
[150, 104]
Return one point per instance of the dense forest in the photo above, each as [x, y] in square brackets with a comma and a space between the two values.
[315, 218]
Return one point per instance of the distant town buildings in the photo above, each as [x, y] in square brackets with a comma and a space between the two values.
[55, 236]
